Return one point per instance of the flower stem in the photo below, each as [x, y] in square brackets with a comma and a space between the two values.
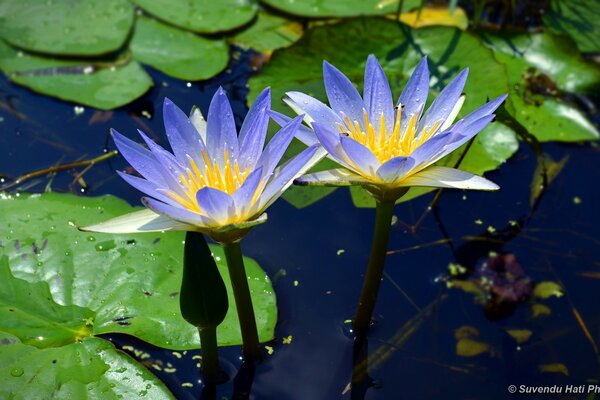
[210, 355]
[243, 301]
[368, 295]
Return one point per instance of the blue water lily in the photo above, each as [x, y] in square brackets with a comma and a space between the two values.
[386, 147]
[215, 181]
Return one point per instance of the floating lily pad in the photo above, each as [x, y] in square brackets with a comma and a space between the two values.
[340, 8]
[543, 69]
[124, 283]
[100, 84]
[66, 27]
[203, 16]
[436, 15]
[269, 32]
[347, 45]
[577, 18]
[92, 368]
[176, 52]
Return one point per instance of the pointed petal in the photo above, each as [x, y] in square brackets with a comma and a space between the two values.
[395, 168]
[378, 95]
[313, 109]
[177, 213]
[183, 136]
[415, 93]
[342, 95]
[331, 177]
[217, 205]
[443, 105]
[285, 175]
[245, 193]
[444, 177]
[138, 221]
[304, 134]
[363, 160]
[331, 143]
[146, 187]
[141, 159]
[485, 110]
[254, 130]
[450, 120]
[220, 128]
[199, 122]
[241, 225]
[277, 146]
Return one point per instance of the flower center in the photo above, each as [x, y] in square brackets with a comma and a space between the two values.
[226, 179]
[387, 145]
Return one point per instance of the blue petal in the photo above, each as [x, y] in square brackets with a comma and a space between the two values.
[245, 193]
[216, 204]
[415, 93]
[443, 105]
[304, 134]
[182, 135]
[484, 110]
[395, 168]
[141, 159]
[278, 145]
[177, 213]
[342, 95]
[220, 128]
[378, 95]
[331, 143]
[315, 110]
[285, 176]
[363, 160]
[254, 130]
[146, 187]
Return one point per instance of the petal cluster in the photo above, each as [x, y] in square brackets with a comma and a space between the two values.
[214, 180]
[385, 146]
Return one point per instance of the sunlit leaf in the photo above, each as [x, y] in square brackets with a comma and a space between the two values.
[546, 289]
[102, 84]
[467, 344]
[429, 16]
[340, 8]
[269, 32]
[176, 52]
[204, 16]
[543, 69]
[66, 27]
[130, 283]
[554, 368]
[545, 172]
[538, 310]
[347, 45]
[577, 18]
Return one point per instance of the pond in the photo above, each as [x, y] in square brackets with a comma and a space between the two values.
[482, 290]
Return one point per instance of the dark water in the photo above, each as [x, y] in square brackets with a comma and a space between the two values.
[559, 241]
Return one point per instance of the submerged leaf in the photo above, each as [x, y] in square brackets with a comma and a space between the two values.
[520, 335]
[546, 289]
[554, 368]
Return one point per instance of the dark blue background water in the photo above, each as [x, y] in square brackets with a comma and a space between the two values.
[560, 241]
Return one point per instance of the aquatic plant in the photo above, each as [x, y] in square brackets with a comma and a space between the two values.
[215, 183]
[387, 149]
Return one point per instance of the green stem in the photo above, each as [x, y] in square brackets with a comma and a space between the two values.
[210, 354]
[368, 295]
[243, 301]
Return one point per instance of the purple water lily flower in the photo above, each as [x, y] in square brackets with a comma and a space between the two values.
[383, 147]
[215, 181]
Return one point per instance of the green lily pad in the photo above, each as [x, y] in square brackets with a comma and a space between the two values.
[542, 69]
[47, 350]
[347, 45]
[491, 148]
[125, 283]
[269, 32]
[203, 16]
[176, 52]
[101, 84]
[340, 8]
[578, 19]
[66, 27]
